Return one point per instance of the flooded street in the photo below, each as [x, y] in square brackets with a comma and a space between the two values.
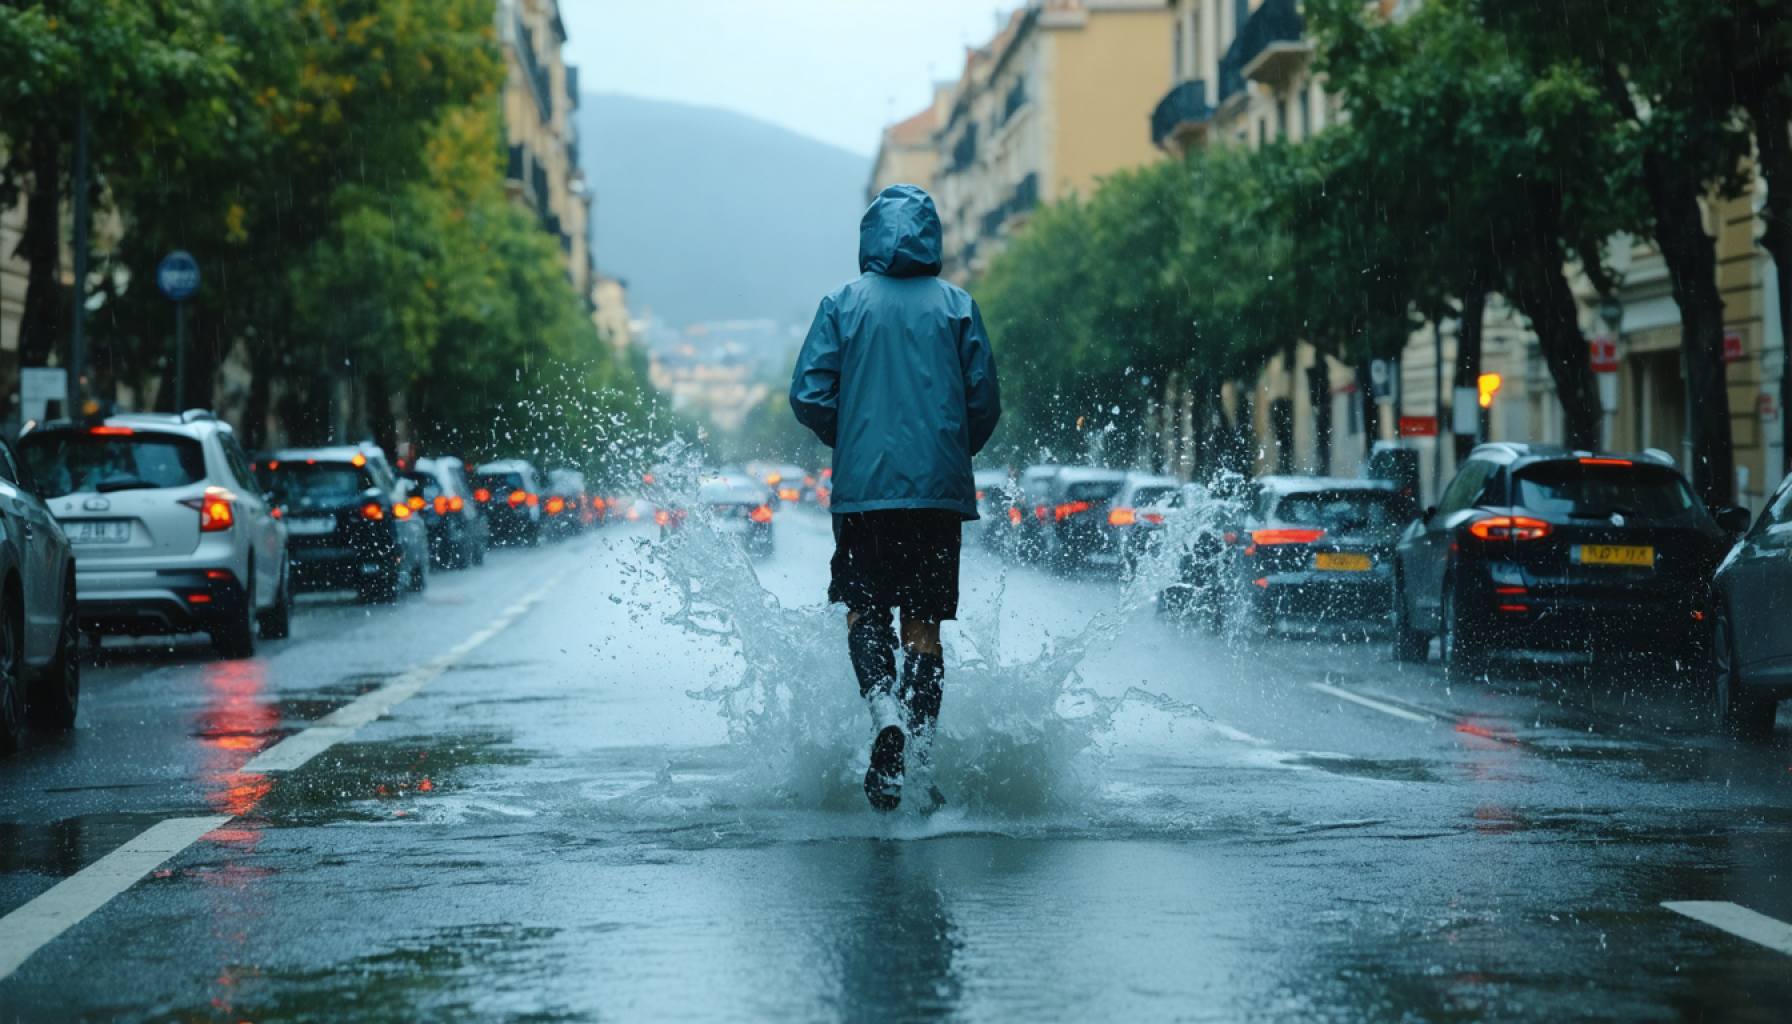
[618, 779]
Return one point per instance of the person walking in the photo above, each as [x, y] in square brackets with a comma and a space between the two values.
[897, 377]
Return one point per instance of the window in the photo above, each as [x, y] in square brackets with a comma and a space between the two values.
[1306, 114]
[1580, 491]
[1375, 513]
[1466, 488]
[68, 461]
[238, 462]
[1281, 118]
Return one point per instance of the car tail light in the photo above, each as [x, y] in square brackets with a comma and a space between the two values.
[416, 503]
[441, 504]
[633, 514]
[358, 461]
[1154, 518]
[789, 494]
[110, 431]
[981, 495]
[482, 495]
[1509, 528]
[1014, 515]
[517, 498]
[1041, 513]
[401, 511]
[662, 517]
[597, 504]
[762, 514]
[1070, 508]
[773, 479]
[1122, 517]
[1599, 461]
[556, 506]
[277, 512]
[373, 511]
[456, 504]
[217, 510]
[1267, 538]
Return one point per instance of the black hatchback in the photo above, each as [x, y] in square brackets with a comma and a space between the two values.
[1535, 547]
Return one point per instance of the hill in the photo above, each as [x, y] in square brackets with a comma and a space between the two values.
[711, 215]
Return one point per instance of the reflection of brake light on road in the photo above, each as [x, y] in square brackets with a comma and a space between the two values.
[762, 514]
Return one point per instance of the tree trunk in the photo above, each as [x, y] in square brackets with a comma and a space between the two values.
[1771, 113]
[1691, 257]
[1468, 354]
[40, 323]
[1540, 290]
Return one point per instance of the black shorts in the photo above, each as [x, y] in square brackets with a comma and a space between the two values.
[900, 558]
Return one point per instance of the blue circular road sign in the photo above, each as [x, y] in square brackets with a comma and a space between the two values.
[178, 275]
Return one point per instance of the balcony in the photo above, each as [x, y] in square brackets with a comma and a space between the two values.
[964, 151]
[1183, 110]
[1272, 46]
[1017, 99]
[540, 83]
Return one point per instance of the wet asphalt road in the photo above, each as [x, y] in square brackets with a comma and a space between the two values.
[588, 815]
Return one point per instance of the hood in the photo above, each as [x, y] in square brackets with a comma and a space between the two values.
[900, 234]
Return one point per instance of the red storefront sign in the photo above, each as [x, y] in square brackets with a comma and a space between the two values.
[1602, 354]
[1732, 347]
[1418, 426]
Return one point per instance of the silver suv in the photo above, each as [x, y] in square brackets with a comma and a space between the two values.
[170, 530]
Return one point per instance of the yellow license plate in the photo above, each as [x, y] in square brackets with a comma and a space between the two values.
[1339, 561]
[1632, 556]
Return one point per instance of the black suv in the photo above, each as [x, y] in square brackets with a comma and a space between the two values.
[348, 522]
[1539, 547]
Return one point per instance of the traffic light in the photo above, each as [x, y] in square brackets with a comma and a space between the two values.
[1487, 385]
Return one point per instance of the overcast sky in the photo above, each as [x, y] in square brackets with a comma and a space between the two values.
[837, 70]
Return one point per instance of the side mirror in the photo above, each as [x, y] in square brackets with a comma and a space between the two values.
[1732, 518]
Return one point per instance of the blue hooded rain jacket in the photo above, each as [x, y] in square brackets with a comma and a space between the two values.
[896, 374]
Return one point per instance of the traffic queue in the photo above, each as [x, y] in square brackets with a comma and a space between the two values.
[153, 524]
[1595, 556]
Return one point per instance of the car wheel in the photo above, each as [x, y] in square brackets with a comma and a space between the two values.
[1410, 645]
[12, 688]
[276, 622]
[236, 637]
[1461, 646]
[1737, 712]
[58, 691]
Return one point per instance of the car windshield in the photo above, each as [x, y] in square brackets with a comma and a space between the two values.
[1583, 490]
[499, 483]
[1375, 513]
[68, 461]
[314, 483]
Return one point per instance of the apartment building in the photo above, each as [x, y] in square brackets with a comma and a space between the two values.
[540, 101]
[907, 155]
[1043, 111]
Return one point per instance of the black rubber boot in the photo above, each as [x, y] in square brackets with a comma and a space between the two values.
[883, 779]
[871, 643]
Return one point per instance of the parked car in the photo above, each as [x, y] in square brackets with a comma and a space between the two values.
[1751, 646]
[1029, 512]
[40, 638]
[1136, 519]
[510, 493]
[1317, 548]
[458, 533]
[1076, 531]
[171, 530]
[1539, 547]
[349, 520]
[740, 507]
[565, 505]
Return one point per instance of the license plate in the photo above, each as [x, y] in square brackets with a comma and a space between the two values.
[100, 531]
[1342, 561]
[313, 527]
[1630, 556]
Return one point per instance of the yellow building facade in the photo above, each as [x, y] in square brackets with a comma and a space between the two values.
[540, 103]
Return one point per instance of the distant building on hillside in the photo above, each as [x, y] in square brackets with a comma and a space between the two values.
[1044, 110]
[541, 93]
[907, 155]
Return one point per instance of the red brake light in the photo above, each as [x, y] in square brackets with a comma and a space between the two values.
[1286, 536]
[401, 511]
[1122, 517]
[373, 511]
[1014, 516]
[1154, 518]
[482, 495]
[442, 505]
[1606, 462]
[790, 494]
[456, 504]
[1509, 528]
[762, 514]
[277, 513]
[556, 505]
[111, 431]
[662, 517]
[416, 502]
[358, 461]
[1041, 512]
[1068, 509]
[216, 514]
[980, 495]
[517, 498]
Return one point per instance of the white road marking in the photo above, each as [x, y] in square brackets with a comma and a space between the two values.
[26, 930]
[32, 926]
[1370, 702]
[1737, 920]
